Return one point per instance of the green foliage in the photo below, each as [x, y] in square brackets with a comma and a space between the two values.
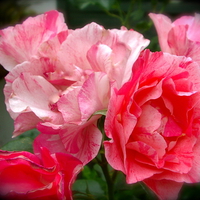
[133, 14]
[99, 112]
[23, 142]
[88, 189]
[190, 191]
[82, 4]
[91, 184]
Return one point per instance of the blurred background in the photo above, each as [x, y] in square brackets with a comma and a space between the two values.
[109, 13]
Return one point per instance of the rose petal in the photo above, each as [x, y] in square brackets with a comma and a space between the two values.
[165, 189]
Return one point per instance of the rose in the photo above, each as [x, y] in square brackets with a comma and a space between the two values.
[180, 37]
[153, 124]
[59, 63]
[95, 49]
[55, 67]
[78, 134]
[67, 80]
[24, 175]
[37, 103]
[22, 42]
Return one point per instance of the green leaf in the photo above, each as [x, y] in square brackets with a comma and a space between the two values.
[87, 188]
[138, 15]
[23, 142]
[82, 4]
[88, 173]
[100, 112]
[106, 4]
[31, 133]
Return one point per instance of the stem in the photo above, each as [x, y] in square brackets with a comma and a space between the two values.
[104, 166]
[101, 160]
[114, 15]
[114, 175]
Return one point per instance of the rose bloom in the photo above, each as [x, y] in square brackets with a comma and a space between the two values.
[61, 81]
[24, 175]
[180, 37]
[23, 41]
[153, 123]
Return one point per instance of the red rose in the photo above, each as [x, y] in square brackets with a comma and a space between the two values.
[25, 176]
[153, 123]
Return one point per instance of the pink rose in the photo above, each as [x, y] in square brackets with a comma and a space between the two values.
[180, 37]
[95, 49]
[67, 80]
[26, 176]
[78, 135]
[153, 123]
[34, 102]
[58, 68]
[46, 79]
[22, 42]
[81, 141]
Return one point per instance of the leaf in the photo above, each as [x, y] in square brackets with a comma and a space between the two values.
[88, 173]
[138, 15]
[83, 4]
[134, 191]
[99, 112]
[23, 142]
[106, 4]
[31, 133]
[88, 188]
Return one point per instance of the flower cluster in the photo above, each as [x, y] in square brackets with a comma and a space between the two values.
[62, 81]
